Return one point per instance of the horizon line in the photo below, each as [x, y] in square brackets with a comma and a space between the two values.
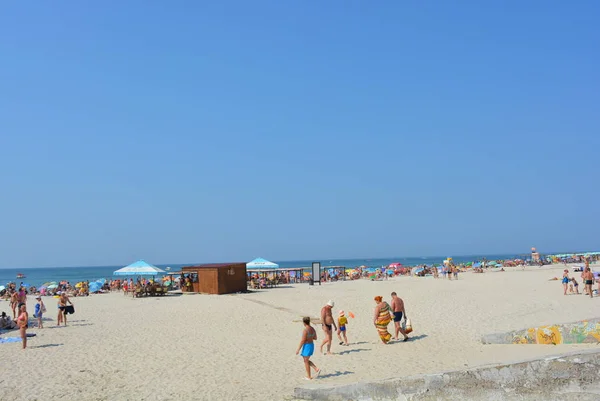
[296, 260]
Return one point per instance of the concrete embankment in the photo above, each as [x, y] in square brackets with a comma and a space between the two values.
[581, 332]
[568, 376]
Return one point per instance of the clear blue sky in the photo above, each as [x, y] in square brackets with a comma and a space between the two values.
[184, 131]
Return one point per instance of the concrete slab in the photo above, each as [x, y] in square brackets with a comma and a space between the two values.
[553, 378]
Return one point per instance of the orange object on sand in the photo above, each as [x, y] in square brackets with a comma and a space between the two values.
[351, 315]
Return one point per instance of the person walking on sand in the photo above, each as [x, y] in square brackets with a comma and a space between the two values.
[23, 322]
[588, 278]
[307, 347]
[40, 309]
[399, 313]
[382, 319]
[328, 325]
[342, 322]
[565, 281]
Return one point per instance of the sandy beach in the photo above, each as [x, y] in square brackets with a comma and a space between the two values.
[242, 347]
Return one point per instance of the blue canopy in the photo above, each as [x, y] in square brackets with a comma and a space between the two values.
[139, 268]
[261, 264]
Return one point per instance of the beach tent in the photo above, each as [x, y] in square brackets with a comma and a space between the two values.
[139, 268]
[261, 264]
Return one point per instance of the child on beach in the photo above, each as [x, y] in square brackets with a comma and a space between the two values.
[342, 322]
[574, 284]
[307, 347]
[40, 309]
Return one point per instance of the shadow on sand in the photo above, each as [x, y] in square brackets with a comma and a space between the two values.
[350, 351]
[416, 338]
[337, 373]
[45, 346]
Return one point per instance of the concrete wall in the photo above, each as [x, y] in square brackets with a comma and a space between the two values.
[574, 376]
[586, 331]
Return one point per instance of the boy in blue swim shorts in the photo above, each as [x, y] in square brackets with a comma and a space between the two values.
[307, 347]
[342, 322]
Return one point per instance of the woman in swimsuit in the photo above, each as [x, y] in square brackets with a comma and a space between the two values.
[565, 280]
[23, 321]
[307, 346]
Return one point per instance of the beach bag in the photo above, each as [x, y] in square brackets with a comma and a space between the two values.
[407, 326]
[69, 309]
[43, 308]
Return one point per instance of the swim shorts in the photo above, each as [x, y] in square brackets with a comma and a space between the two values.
[308, 349]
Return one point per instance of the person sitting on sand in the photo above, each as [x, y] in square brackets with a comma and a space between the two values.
[382, 319]
[328, 325]
[23, 322]
[6, 323]
[307, 347]
[342, 322]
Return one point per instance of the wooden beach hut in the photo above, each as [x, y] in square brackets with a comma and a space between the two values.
[217, 278]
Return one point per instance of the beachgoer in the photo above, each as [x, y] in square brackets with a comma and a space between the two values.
[23, 322]
[565, 280]
[575, 285]
[6, 323]
[399, 313]
[307, 347]
[22, 295]
[588, 277]
[40, 309]
[328, 325]
[455, 272]
[62, 305]
[14, 301]
[382, 319]
[342, 322]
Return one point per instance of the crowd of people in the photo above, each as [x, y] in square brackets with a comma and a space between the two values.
[20, 314]
[384, 314]
[571, 285]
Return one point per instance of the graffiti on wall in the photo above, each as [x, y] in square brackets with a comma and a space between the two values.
[575, 333]
[586, 332]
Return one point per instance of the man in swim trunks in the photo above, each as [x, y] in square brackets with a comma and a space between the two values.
[62, 304]
[307, 347]
[399, 313]
[588, 280]
[328, 325]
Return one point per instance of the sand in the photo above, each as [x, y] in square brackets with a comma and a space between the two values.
[242, 347]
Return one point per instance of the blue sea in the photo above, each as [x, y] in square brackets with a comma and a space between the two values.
[37, 276]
